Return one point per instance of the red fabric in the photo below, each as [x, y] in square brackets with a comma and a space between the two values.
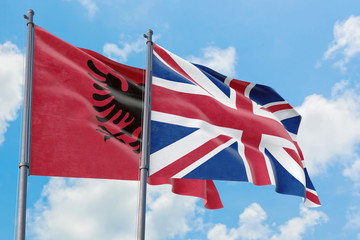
[204, 189]
[65, 141]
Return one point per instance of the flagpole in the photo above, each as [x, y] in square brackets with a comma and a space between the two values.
[145, 149]
[26, 130]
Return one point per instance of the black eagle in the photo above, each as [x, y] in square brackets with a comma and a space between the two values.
[123, 100]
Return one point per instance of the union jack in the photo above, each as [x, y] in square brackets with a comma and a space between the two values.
[205, 125]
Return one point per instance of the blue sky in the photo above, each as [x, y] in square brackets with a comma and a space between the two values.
[308, 51]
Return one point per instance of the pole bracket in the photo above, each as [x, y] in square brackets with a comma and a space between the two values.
[22, 164]
[143, 166]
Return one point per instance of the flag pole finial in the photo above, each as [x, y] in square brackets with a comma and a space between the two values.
[30, 17]
[31, 12]
[149, 36]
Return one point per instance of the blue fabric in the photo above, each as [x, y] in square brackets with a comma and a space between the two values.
[160, 70]
[163, 134]
[262, 95]
[292, 124]
[232, 166]
[217, 78]
[285, 182]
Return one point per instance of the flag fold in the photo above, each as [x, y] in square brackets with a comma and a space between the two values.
[209, 126]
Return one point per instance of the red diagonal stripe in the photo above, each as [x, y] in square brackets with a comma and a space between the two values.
[312, 197]
[294, 155]
[169, 60]
[175, 167]
[279, 107]
[299, 150]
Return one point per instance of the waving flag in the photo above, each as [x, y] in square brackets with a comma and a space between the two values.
[207, 126]
[86, 118]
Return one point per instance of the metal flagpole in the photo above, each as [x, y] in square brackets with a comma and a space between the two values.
[145, 149]
[25, 146]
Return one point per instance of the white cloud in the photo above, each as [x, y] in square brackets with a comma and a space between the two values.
[85, 209]
[346, 41]
[353, 172]
[330, 129]
[298, 226]
[90, 6]
[220, 232]
[121, 54]
[353, 218]
[251, 223]
[252, 226]
[170, 215]
[221, 60]
[107, 209]
[339, 87]
[11, 82]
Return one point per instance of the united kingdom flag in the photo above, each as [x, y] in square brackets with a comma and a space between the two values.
[208, 126]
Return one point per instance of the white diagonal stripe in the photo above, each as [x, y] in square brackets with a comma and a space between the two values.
[269, 170]
[285, 114]
[275, 145]
[179, 86]
[203, 81]
[274, 103]
[248, 89]
[180, 148]
[203, 159]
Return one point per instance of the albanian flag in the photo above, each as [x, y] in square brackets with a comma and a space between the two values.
[86, 118]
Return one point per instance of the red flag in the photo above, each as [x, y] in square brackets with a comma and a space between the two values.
[86, 118]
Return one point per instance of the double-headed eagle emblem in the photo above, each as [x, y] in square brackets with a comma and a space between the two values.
[119, 100]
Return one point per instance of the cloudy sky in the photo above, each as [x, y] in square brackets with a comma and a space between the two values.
[309, 52]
